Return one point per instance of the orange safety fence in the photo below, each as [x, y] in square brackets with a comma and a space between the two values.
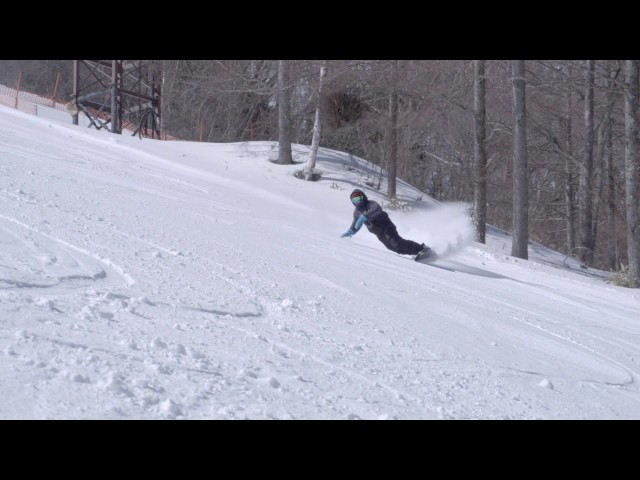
[28, 102]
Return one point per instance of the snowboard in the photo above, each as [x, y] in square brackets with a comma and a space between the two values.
[425, 256]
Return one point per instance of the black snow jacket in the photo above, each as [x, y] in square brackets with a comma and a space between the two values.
[377, 218]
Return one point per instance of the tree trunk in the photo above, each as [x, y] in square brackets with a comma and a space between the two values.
[611, 256]
[520, 243]
[315, 139]
[284, 114]
[393, 133]
[598, 177]
[569, 172]
[632, 168]
[602, 163]
[585, 198]
[480, 152]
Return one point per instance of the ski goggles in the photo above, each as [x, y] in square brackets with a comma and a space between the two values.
[357, 200]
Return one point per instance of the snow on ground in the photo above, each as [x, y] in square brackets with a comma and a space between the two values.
[142, 279]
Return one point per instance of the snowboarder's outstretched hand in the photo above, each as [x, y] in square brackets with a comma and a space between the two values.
[348, 233]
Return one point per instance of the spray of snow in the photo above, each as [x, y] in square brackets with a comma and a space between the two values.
[446, 228]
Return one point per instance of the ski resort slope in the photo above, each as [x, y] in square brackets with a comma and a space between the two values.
[142, 279]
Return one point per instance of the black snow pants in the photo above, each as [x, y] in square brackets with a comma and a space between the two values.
[394, 242]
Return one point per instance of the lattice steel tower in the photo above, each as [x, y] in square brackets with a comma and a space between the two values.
[118, 94]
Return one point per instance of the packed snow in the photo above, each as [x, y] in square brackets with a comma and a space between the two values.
[145, 279]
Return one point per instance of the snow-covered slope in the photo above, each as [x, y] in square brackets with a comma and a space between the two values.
[145, 279]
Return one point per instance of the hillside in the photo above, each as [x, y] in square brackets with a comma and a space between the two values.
[142, 279]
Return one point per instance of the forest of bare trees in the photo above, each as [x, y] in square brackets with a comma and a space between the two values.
[451, 128]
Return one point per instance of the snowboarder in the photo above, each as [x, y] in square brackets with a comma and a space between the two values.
[377, 221]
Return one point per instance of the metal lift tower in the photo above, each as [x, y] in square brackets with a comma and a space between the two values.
[118, 94]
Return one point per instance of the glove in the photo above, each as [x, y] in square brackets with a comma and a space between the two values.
[348, 233]
[360, 221]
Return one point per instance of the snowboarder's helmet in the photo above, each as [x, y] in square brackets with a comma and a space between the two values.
[358, 197]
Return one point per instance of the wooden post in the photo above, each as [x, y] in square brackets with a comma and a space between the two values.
[55, 90]
[201, 130]
[18, 88]
[76, 83]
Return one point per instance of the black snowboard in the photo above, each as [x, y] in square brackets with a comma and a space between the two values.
[426, 256]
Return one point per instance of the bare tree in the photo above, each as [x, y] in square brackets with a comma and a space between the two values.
[632, 160]
[480, 151]
[229, 99]
[393, 132]
[611, 244]
[284, 114]
[603, 164]
[315, 139]
[520, 243]
[585, 187]
[569, 166]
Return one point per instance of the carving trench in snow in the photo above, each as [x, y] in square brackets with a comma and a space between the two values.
[33, 259]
